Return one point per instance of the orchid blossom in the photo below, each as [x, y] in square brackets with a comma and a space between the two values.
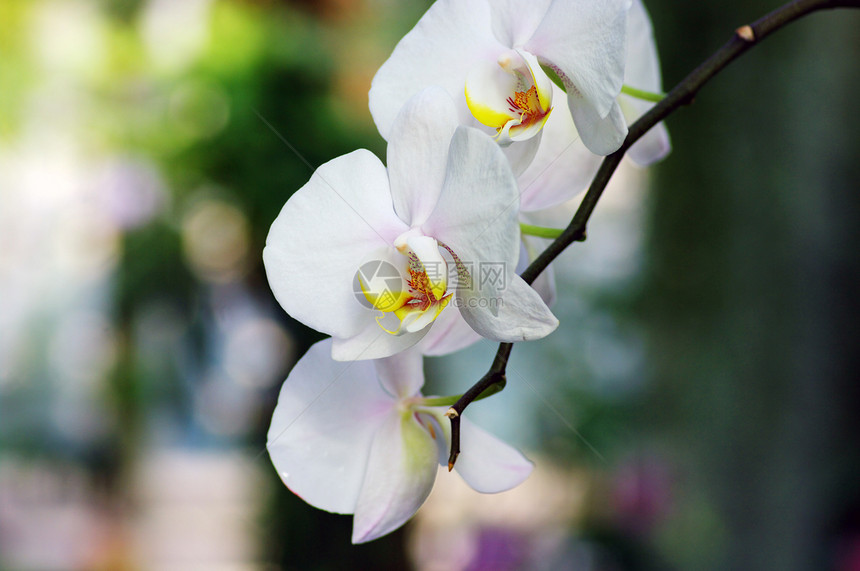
[358, 438]
[373, 256]
[562, 166]
[491, 56]
[550, 160]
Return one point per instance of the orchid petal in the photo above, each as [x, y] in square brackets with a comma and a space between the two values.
[653, 145]
[372, 342]
[602, 135]
[518, 133]
[488, 87]
[513, 24]
[518, 314]
[323, 426]
[380, 282]
[417, 151]
[414, 320]
[486, 463]
[401, 469]
[333, 221]
[449, 333]
[643, 72]
[585, 41]
[476, 215]
[521, 155]
[401, 375]
[562, 167]
[451, 37]
[544, 283]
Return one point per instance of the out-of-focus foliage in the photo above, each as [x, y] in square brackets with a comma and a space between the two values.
[178, 130]
[751, 296]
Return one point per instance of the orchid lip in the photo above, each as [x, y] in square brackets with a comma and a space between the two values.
[514, 96]
[422, 293]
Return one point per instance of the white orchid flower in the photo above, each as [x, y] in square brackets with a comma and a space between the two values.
[367, 443]
[364, 253]
[489, 56]
[563, 167]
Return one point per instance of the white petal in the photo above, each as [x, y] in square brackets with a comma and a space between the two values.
[440, 50]
[417, 153]
[514, 22]
[322, 234]
[643, 66]
[402, 375]
[544, 284]
[643, 72]
[372, 342]
[323, 427]
[449, 333]
[522, 153]
[379, 282]
[602, 136]
[400, 473]
[562, 167]
[416, 320]
[584, 41]
[487, 90]
[519, 314]
[476, 215]
[486, 463]
[652, 146]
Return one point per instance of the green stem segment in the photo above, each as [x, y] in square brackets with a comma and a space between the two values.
[626, 89]
[540, 231]
[451, 400]
[642, 94]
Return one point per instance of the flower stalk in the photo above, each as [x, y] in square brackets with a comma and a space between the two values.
[540, 231]
[682, 94]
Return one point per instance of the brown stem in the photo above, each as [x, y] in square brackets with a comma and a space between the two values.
[683, 93]
[494, 381]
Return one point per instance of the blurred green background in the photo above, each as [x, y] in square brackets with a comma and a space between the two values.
[696, 410]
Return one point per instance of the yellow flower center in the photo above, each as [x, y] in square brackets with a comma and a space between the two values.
[512, 95]
[421, 296]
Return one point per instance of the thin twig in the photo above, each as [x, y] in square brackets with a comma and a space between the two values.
[683, 93]
[493, 381]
